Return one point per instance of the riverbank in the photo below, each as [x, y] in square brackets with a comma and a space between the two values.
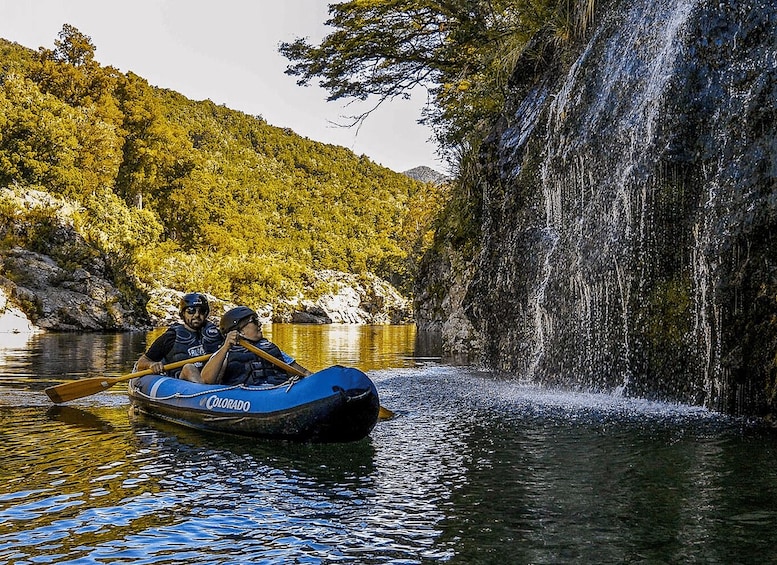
[48, 297]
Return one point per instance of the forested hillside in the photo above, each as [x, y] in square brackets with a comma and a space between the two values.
[190, 194]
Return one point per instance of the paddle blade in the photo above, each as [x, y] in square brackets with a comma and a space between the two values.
[78, 389]
[385, 413]
[85, 387]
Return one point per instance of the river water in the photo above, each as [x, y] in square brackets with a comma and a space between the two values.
[474, 469]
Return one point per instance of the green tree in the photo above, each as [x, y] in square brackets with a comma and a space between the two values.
[71, 74]
[383, 49]
[158, 157]
[38, 138]
[462, 51]
[74, 48]
[169, 190]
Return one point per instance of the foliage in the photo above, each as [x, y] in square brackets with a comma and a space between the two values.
[175, 191]
[463, 52]
[190, 194]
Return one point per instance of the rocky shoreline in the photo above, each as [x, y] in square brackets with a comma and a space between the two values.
[39, 295]
[44, 292]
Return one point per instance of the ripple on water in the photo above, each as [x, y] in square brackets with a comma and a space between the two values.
[471, 466]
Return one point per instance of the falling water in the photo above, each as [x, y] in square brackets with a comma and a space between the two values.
[627, 239]
[606, 196]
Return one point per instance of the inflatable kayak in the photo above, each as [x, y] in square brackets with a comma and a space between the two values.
[337, 404]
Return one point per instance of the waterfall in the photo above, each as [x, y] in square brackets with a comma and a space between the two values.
[596, 191]
[629, 205]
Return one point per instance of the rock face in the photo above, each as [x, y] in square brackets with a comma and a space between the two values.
[350, 299]
[59, 300]
[56, 299]
[37, 293]
[629, 239]
[443, 288]
[52, 297]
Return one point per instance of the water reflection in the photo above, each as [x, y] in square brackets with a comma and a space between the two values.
[44, 359]
[35, 361]
[366, 347]
[476, 469]
[78, 417]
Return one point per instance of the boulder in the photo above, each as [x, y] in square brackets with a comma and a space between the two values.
[57, 299]
[347, 299]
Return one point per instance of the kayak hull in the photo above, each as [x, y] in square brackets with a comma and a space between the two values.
[337, 404]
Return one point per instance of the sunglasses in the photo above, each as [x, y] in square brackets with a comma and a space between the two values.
[191, 310]
[251, 320]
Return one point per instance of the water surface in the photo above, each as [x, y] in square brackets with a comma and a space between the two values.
[474, 469]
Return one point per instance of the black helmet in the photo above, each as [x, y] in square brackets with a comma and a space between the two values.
[194, 299]
[231, 320]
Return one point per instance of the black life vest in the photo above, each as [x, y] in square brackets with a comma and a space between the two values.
[193, 344]
[245, 367]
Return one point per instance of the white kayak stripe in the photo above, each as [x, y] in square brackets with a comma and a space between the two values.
[153, 391]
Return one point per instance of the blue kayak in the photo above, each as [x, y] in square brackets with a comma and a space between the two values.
[337, 404]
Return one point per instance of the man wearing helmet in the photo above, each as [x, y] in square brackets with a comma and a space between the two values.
[194, 337]
[234, 364]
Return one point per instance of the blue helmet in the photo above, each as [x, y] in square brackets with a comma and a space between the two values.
[194, 299]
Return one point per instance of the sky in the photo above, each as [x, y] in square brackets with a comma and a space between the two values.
[227, 52]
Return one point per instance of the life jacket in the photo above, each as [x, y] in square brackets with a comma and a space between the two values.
[193, 344]
[245, 367]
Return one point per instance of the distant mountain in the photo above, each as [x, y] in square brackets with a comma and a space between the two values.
[426, 174]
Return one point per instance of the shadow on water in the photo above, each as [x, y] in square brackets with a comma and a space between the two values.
[327, 462]
[331, 463]
[78, 417]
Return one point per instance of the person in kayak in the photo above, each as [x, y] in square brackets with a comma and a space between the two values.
[195, 336]
[233, 364]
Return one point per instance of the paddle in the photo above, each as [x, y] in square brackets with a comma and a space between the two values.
[383, 413]
[85, 387]
[274, 360]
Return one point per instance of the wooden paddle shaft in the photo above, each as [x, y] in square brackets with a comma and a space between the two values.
[167, 367]
[383, 414]
[274, 360]
[85, 387]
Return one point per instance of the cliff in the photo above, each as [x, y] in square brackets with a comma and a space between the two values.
[426, 174]
[628, 213]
